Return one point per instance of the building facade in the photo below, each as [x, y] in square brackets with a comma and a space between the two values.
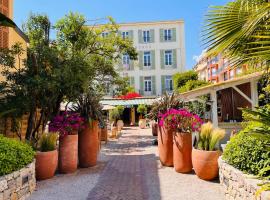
[161, 54]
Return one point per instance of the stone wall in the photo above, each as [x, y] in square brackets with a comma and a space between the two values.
[18, 185]
[237, 185]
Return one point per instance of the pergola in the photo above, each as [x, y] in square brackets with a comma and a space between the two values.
[248, 94]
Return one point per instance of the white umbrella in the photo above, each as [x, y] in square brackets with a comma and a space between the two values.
[108, 107]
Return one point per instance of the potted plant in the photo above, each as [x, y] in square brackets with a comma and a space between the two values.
[46, 156]
[67, 125]
[205, 155]
[165, 136]
[114, 116]
[142, 110]
[120, 123]
[181, 124]
[89, 108]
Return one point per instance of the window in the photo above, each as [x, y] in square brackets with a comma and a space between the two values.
[126, 59]
[148, 84]
[168, 83]
[167, 34]
[146, 36]
[231, 74]
[238, 70]
[147, 59]
[214, 71]
[225, 76]
[105, 34]
[168, 57]
[125, 34]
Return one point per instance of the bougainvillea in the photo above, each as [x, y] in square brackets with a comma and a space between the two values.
[66, 123]
[130, 95]
[180, 120]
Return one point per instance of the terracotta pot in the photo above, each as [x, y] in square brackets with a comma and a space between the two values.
[46, 164]
[89, 145]
[120, 124]
[68, 153]
[165, 146]
[142, 123]
[182, 150]
[205, 163]
[154, 128]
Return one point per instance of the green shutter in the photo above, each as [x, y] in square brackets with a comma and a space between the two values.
[141, 85]
[161, 35]
[120, 33]
[163, 84]
[162, 59]
[153, 59]
[119, 63]
[174, 34]
[140, 36]
[130, 33]
[153, 85]
[132, 81]
[131, 65]
[175, 58]
[152, 35]
[140, 60]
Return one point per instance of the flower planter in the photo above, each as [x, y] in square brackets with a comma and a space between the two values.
[165, 146]
[89, 145]
[182, 150]
[142, 123]
[120, 125]
[46, 164]
[154, 128]
[205, 163]
[68, 153]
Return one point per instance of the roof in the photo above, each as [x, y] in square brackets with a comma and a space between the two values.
[222, 85]
[130, 102]
[22, 34]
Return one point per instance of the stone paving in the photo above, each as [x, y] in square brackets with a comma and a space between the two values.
[129, 169]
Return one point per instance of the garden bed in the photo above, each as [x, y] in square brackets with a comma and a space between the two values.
[238, 185]
[19, 184]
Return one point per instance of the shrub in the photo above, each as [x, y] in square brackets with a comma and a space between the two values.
[47, 142]
[247, 152]
[14, 155]
[142, 109]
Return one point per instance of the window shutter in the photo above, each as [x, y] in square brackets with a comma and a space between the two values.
[152, 35]
[120, 33]
[153, 85]
[174, 58]
[132, 81]
[140, 60]
[162, 59]
[174, 34]
[140, 36]
[163, 84]
[130, 33]
[161, 34]
[131, 64]
[141, 85]
[153, 60]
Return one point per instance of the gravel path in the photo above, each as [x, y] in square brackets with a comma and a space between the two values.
[128, 170]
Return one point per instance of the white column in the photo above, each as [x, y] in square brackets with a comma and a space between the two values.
[214, 108]
[254, 93]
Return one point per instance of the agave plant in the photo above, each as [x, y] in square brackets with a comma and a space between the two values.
[165, 103]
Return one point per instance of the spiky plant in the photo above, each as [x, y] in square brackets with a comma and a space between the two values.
[216, 135]
[47, 142]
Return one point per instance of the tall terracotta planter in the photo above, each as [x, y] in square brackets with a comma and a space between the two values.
[205, 163]
[182, 150]
[46, 164]
[89, 145]
[68, 153]
[165, 146]
[154, 128]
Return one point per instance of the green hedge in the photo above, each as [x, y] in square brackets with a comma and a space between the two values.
[14, 155]
[247, 153]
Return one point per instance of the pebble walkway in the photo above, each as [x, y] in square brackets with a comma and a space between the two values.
[129, 169]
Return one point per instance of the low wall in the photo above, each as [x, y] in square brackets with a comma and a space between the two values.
[18, 185]
[237, 185]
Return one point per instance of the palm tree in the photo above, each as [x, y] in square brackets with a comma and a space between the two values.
[240, 30]
[5, 21]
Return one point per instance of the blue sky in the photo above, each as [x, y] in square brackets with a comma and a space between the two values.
[192, 11]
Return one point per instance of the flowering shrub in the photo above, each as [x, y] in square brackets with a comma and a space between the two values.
[181, 120]
[66, 123]
[130, 95]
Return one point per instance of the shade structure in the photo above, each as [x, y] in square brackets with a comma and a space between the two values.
[108, 107]
[129, 102]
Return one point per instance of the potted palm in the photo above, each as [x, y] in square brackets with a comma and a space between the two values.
[90, 109]
[46, 156]
[67, 125]
[206, 153]
[165, 135]
[142, 110]
[181, 124]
